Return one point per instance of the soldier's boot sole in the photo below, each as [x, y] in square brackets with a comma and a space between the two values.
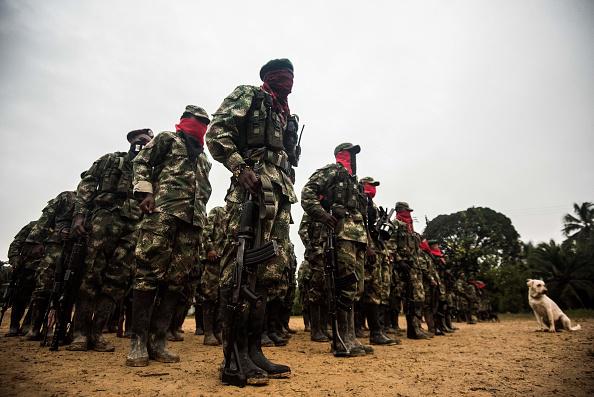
[165, 357]
[137, 362]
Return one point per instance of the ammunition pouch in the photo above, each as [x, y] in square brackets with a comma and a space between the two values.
[267, 201]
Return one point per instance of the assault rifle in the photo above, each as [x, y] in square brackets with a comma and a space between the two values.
[12, 290]
[68, 282]
[333, 285]
[383, 226]
[250, 253]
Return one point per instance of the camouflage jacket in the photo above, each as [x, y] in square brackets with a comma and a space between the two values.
[56, 216]
[351, 221]
[425, 261]
[224, 137]
[14, 250]
[313, 235]
[180, 186]
[303, 274]
[108, 184]
[407, 244]
[215, 231]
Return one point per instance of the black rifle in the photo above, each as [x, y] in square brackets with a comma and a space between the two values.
[13, 289]
[333, 284]
[70, 285]
[384, 226]
[250, 254]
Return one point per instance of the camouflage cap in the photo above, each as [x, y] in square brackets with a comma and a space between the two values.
[197, 112]
[275, 64]
[134, 133]
[369, 180]
[433, 241]
[347, 146]
[403, 205]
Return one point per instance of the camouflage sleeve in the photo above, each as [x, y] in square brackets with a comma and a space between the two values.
[208, 231]
[151, 155]
[304, 230]
[224, 130]
[313, 189]
[40, 230]
[14, 249]
[87, 187]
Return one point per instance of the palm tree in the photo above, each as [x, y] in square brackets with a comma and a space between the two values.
[579, 227]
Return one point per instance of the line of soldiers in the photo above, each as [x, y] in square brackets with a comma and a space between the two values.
[150, 249]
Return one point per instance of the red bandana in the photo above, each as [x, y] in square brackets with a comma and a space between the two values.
[404, 216]
[424, 245]
[279, 84]
[369, 189]
[437, 252]
[344, 158]
[193, 127]
[477, 283]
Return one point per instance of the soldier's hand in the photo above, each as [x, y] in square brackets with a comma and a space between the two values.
[34, 250]
[249, 180]
[77, 228]
[65, 233]
[329, 220]
[147, 205]
[212, 256]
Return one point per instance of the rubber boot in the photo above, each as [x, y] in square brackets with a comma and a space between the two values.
[325, 325]
[316, 328]
[376, 335]
[240, 370]
[81, 324]
[199, 319]
[448, 320]
[208, 316]
[128, 320]
[16, 314]
[257, 318]
[286, 318]
[342, 320]
[160, 322]
[306, 319]
[273, 323]
[177, 321]
[429, 319]
[142, 308]
[103, 310]
[37, 308]
[356, 347]
[359, 320]
[413, 322]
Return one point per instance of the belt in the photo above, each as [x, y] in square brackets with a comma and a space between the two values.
[281, 161]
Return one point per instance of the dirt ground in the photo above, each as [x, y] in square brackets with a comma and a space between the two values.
[487, 359]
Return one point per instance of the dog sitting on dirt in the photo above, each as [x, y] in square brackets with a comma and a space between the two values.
[548, 315]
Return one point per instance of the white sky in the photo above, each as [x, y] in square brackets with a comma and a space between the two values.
[455, 104]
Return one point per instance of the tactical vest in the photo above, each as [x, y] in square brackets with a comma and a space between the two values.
[115, 175]
[345, 194]
[264, 127]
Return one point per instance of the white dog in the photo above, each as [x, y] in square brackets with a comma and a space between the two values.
[547, 313]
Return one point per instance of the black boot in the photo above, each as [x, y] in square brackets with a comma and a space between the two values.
[16, 314]
[356, 347]
[376, 335]
[198, 317]
[359, 313]
[128, 319]
[306, 319]
[413, 326]
[256, 324]
[160, 322]
[325, 325]
[430, 320]
[81, 324]
[208, 315]
[37, 308]
[316, 334]
[103, 310]
[388, 321]
[448, 320]
[177, 321]
[142, 308]
[274, 324]
[342, 349]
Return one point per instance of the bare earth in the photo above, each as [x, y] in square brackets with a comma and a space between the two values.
[487, 359]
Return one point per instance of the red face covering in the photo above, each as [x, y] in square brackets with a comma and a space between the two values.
[344, 158]
[404, 216]
[436, 251]
[193, 127]
[279, 84]
[369, 189]
[424, 245]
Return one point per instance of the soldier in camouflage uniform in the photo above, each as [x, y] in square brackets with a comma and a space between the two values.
[56, 218]
[104, 197]
[249, 136]
[313, 235]
[24, 259]
[287, 305]
[334, 197]
[171, 179]
[433, 287]
[215, 235]
[303, 280]
[407, 253]
[377, 270]
[443, 314]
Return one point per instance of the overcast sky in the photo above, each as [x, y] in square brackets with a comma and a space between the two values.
[454, 103]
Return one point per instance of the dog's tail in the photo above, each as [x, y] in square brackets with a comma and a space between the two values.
[576, 327]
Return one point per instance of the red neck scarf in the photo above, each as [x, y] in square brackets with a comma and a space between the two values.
[477, 283]
[369, 189]
[344, 158]
[437, 252]
[404, 216]
[424, 245]
[279, 84]
[192, 127]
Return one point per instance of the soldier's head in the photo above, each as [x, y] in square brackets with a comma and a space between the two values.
[402, 206]
[434, 244]
[138, 139]
[346, 154]
[369, 186]
[194, 122]
[278, 75]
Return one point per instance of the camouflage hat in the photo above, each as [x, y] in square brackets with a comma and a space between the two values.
[347, 146]
[403, 206]
[134, 133]
[369, 180]
[197, 112]
[275, 64]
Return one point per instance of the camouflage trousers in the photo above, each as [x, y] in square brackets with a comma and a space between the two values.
[316, 292]
[396, 289]
[378, 277]
[45, 273]
[271, 275]
[167, 254]
[350, 257]
[413, 285]
[109, 261]
[209, 281]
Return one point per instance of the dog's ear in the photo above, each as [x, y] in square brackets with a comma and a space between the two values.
[529, 282]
